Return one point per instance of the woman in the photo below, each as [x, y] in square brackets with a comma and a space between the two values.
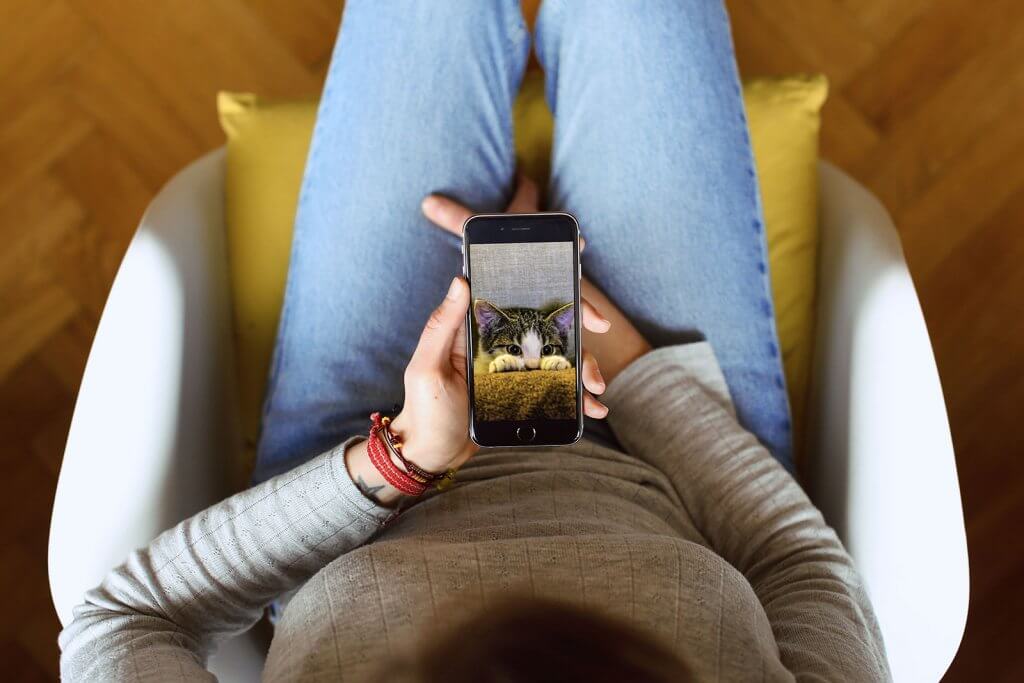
[672, 539]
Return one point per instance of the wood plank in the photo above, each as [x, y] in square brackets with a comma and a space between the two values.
[884, 20]
[921, 147]
[248, 57]
[760, 48]
[34, 137]
[963, 341]
[64, 354]
[117, 209]
[141, 125]
[32, 227]
[963, 198]
[846, 136]
[824, 34]
[113, 216]
[24, 66]
[29, 396]
[29, 322]
[907, 71]
[306, 27]
[32, 307]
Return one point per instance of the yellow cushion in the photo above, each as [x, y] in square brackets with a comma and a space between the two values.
[784, 117]
[267, 143]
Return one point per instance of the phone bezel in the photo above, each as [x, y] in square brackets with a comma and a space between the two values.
[519, 228]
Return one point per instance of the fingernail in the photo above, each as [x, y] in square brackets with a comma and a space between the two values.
[429, 204]
[453, 288]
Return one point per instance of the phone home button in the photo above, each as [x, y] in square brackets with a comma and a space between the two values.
[526, 434]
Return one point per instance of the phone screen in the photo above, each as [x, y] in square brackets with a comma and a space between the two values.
[524, 341]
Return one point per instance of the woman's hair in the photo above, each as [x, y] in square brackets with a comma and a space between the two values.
[532, 639]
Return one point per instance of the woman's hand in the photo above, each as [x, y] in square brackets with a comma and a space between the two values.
[434, 423]
[613, 352]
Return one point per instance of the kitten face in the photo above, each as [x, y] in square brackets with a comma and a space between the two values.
[523, 338]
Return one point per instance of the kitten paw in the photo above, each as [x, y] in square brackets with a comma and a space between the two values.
[504, 363]
[555, 363]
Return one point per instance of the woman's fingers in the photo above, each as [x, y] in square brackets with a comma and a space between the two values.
[450, 215]
[445, 213]
[592, 378]
[592, 318]
[594, 383]
[593, 408]
[526, 198]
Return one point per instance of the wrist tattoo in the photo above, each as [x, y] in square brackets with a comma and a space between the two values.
[367, 490]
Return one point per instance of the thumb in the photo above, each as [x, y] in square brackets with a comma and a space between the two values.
[442, 327]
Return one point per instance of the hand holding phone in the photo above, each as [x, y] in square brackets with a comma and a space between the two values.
[552, 320]
[525, 387]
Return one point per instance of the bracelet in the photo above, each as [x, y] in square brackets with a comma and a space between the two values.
[395, 446]
[381, 460]
[442, 480]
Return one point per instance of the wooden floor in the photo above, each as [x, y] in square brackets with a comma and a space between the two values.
[104, 100]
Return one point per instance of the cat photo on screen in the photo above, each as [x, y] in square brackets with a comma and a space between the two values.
[523, 331]
[523, 338]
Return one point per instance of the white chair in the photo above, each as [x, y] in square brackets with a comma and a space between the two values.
[156, 423]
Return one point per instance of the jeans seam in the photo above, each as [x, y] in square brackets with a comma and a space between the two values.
[768, 302]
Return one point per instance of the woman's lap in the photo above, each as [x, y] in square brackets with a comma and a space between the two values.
[653, 157]
[417, 100]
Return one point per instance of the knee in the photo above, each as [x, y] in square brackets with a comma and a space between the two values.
[448, 18]
[651, 16]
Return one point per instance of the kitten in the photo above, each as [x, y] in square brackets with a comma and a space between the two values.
[523, 338]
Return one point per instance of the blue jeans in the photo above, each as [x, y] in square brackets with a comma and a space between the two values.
[651, 154]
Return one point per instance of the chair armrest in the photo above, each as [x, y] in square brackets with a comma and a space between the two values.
[881, 463]
[153, 426]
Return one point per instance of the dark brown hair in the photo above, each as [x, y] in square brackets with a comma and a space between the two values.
[532, 639]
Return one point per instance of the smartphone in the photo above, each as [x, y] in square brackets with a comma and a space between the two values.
[524, 329]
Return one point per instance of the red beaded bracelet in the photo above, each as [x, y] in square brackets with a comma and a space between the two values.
[381, 459]
[394, 446]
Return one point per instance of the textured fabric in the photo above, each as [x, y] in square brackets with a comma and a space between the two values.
[651, 153]
[698, 537]
[525, 395]
[538, 275]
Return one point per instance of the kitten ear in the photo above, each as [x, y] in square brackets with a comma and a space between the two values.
[563, 317]
[486, 313]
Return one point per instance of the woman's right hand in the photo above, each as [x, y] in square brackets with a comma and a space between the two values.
[613, 350]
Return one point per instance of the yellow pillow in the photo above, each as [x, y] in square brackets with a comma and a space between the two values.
[267, 143]
[784, 116]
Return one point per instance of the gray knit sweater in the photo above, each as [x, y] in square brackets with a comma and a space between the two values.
[694, 533]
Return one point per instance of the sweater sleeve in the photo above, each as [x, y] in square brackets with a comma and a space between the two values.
[671, 408]
[160, 614]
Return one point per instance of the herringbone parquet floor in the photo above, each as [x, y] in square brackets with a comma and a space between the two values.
[104, 100]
